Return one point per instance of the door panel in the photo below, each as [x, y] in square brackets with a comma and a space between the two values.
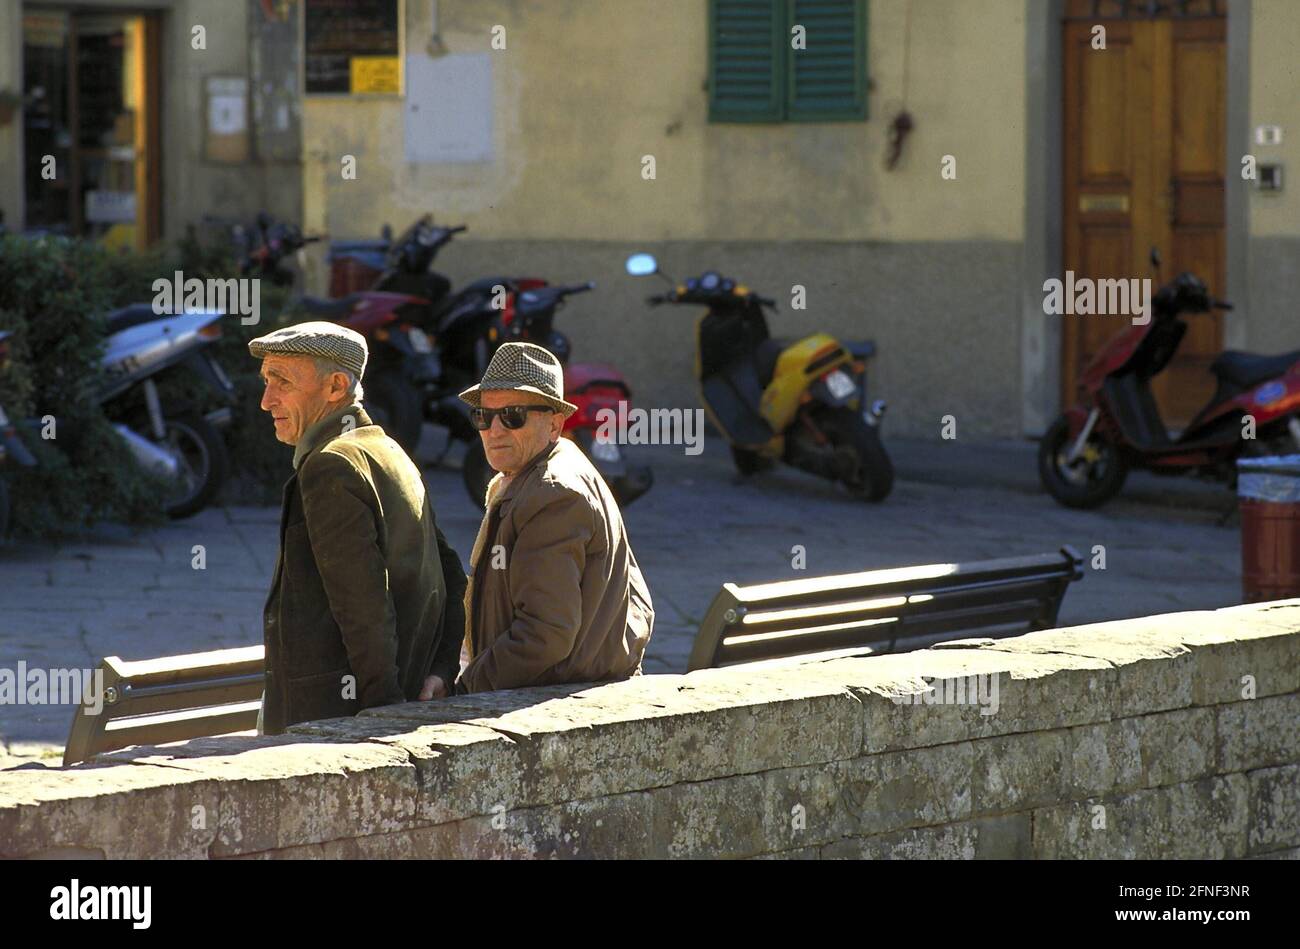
[1144, 146]
[95, 111]
[1107, 149]
[1195, 220]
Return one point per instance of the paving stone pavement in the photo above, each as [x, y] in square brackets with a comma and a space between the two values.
[137, 595]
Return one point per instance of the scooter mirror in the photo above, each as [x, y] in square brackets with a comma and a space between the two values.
[642, 265]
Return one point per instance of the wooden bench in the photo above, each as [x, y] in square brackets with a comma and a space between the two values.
[170, 699]
[883, 611]
[215, 693]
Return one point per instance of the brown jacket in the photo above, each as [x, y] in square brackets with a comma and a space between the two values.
[569, 603]
[365, 584]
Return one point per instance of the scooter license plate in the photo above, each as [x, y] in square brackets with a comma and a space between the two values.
[839, 384]
[604, 451]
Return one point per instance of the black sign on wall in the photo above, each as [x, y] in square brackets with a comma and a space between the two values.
[335, 32]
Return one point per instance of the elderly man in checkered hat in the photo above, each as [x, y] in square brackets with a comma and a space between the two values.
[366, 606]
[555, 592]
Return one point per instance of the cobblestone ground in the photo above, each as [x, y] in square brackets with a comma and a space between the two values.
[137, 596]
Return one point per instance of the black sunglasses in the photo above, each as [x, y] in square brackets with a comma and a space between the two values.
[512, 416]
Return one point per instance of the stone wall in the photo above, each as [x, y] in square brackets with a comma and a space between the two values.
[1173, 736]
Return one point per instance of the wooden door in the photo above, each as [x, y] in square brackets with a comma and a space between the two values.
[1143, 156]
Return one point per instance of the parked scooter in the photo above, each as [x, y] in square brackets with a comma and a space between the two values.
[803, 402]
[1086, 454]
[12, 450]
[529, 316]
[463, 325]
[176, 441]
[402, 358]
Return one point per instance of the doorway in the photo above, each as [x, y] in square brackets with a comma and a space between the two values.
[1143, 155]
[91, 156]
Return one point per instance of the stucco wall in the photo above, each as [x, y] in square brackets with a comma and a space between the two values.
[585, 88]
[946, 346]
[1271, 318]
[1170, 736]
[1275, 100]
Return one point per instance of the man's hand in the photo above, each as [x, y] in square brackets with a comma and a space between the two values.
[434, 688]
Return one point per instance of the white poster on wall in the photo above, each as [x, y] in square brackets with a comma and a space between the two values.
[449, 108]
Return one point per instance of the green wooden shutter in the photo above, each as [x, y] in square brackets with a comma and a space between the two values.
[828, 79]
[746, 60]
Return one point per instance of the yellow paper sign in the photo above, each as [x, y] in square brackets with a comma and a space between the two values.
[381, 74]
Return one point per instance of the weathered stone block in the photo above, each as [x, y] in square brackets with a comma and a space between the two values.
[720, 818]
[1259, 733]
[1203, 819]
[298, 790]
[802, 806]
[617, 826]
[1255, 639]
[991, 838]
[1274, 808]
[119, 812]
[1037, 769]
[892, 791]
[462, 770]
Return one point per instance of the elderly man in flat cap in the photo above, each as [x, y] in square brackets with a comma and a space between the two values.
[366, 607]
[555, 592]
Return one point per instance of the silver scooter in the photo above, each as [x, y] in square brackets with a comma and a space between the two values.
[178, 443]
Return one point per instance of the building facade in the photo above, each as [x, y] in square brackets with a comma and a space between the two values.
[910, 171]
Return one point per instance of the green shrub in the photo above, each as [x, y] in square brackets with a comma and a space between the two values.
[53, 294]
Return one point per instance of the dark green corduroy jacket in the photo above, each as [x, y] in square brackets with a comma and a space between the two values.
[367, 595]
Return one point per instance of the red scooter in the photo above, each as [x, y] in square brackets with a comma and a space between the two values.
[529, 316]
[402, 356]
[1086, 454]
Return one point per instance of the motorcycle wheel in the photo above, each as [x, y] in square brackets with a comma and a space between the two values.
[476, 473]
[394, 405]
[872, 476]
[1091, 480]
[204, 462]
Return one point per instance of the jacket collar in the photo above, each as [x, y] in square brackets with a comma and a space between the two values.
[545, 454]
[325, 430]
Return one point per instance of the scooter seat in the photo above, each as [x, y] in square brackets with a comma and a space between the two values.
[1246, 370]
[329, 309]
[134, 315]
[486, 284]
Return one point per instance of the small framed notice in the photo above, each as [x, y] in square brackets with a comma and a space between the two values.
[227, 119]
[352, 47]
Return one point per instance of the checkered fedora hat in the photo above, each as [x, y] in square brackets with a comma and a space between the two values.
[329, 341]
[524, 367]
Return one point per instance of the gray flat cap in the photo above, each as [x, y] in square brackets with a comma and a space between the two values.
[329, 341]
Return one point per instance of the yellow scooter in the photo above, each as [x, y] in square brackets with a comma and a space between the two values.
[803, 402]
